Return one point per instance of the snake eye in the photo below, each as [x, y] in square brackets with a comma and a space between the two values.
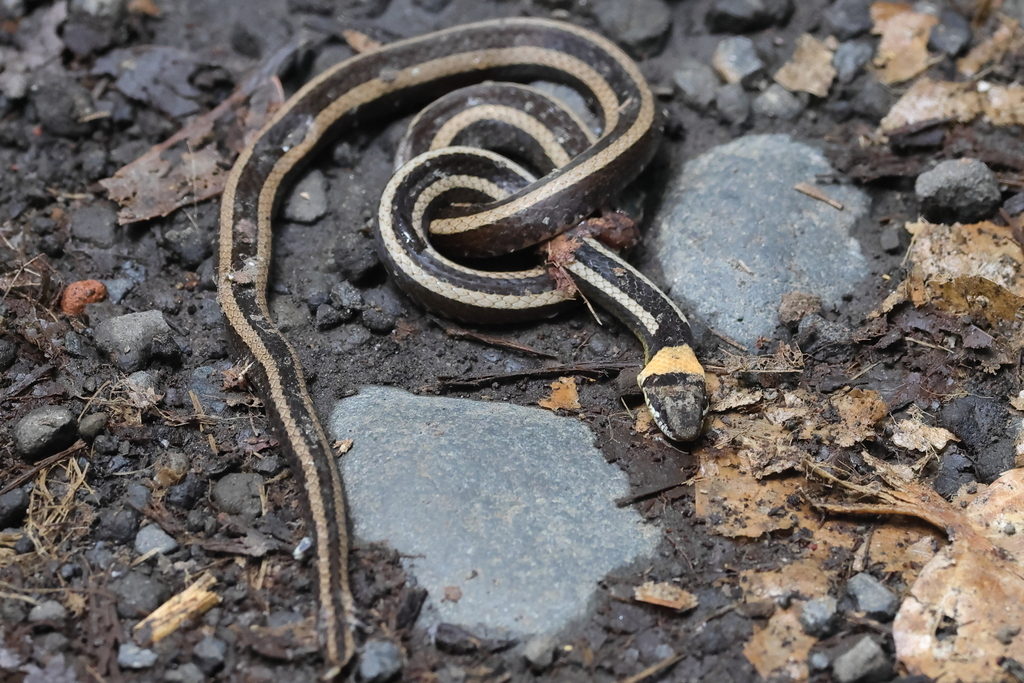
[678, 402]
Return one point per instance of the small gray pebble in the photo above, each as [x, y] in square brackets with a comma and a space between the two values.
[13, 506]
[138, 594]
[238, 494]
[8, 353]
[131, 656]
[153, 537]
[91, 425]
[117, 525]
[736, 61]
[871, 597]
[963, 190]
[733, 103]
[850, 58]
[185, 673]
[380, 662]
[865, 662]
[45, 431]
[818, 616]
[777, 103]
[49, 610]
[696, 83]
[540, 652]
[209, 653]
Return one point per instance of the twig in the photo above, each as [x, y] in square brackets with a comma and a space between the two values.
[653, 669]
[26, 381]
[462, 333]
[41, 465]
[647, 493]
[587, 369]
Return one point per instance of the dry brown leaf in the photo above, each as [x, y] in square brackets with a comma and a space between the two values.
[564, 395]
[734, 503]
[859, 411]
[1018, 401]
[903, 546]
[809, 69]
[991, 50]
[1003, 104]
[780, 649]
[903, 51]
[997, 511]
[975, 269]
[666, 595]
[914, 435]
[157, 187]
[928, 100]
[971, 592]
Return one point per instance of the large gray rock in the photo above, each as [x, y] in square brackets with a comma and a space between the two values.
[732, 235]
[513, 506]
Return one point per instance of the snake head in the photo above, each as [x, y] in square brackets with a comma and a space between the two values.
[675, 392]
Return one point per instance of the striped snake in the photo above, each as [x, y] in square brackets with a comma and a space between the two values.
[474, 203]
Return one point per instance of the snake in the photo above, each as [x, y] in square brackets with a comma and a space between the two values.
[448, 210]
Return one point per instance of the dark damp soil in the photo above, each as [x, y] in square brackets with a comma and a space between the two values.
[52, 160]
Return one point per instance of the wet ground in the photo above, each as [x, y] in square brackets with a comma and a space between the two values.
[164, 448]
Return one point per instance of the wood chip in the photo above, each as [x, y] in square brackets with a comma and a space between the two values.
[165, 619]
[815, 193]
[666, 595]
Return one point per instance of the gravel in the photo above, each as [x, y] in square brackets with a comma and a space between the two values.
[209, 654]
[951, 35]
[736, 61]
[153, 537]
[641, 27]
[818, 616]
[95, 224]
[733, 104]
[847, 19]
[539, 652]
[777, 103]
[960, 190]
[8, 353]
[850, 58]
[238, 494]
[380, 661]
[871, 597]
[91, 425]
[743, 16]
[13, 506]
[45, 431]
[131, 656]
[49, 611]
[130, 339]
[865, 662]
[696, 83]
[138, 594]
[117, 525]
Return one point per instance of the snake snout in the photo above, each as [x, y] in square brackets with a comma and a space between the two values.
[678, 403]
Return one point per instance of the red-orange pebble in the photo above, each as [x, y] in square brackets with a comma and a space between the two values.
[80, 293]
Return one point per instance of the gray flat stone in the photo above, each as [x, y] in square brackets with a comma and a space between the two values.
[153, 537]
[733, 236]
[511, 505]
